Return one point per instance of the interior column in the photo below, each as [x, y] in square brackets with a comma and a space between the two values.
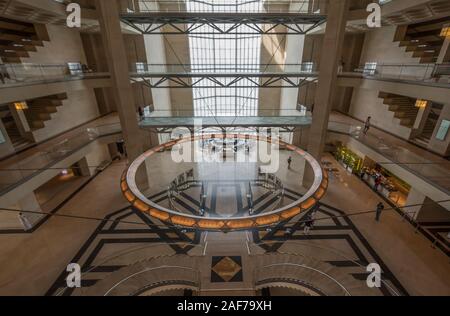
[108, 12]
[331, 55]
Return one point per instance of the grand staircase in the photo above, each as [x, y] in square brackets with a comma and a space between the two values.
[151, 276]
[403, 107]
[423, 39]
[181, 272]
[41, 109]
[306, 274]
[18, 38]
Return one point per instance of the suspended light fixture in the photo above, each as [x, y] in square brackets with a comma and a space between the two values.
[421, 104]
[21, 105]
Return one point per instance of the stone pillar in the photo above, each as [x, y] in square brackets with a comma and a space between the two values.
[300, 137]
[20, 120]
[108, 13]
[444, 56]
[414, 198]
[83, 169]
[330, 58]
[156, 54]
[294, 55]
[421, 120]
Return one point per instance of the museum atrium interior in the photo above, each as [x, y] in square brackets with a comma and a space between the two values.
[225, 147]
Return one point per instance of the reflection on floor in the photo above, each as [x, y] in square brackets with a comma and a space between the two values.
[52, 196]
[126, 231]
[136, 237]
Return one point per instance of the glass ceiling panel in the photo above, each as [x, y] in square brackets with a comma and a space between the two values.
[225, 53]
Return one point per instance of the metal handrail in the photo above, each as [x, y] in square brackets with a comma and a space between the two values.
[269, 6]
[417, 226]
[405, 165]
[332, 250]
[83, 138]
[195, 271]
[136, 249]
[347, 293]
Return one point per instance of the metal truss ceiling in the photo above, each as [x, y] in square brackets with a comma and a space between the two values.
[172, 23]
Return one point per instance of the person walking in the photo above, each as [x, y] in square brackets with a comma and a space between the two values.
[367, 125]
[289, 161]
[140, 112]
[380, 208]
[377, 182]
[309, 223]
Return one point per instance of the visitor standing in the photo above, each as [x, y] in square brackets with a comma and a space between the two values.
[367, 125]
[309, 223]
[289, 161]
[140, 112]
[380, 208]
[377, 182]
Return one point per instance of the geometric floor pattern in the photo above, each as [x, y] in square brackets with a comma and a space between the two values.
[133, 232]
[128, 230]
[226, 269]
[335, 229]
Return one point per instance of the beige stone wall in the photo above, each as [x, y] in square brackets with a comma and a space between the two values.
[366, 103]
[177, 51]
[65, 45]
[379, 46]
[79, 108]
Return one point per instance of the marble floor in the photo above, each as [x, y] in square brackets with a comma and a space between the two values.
[107, 235]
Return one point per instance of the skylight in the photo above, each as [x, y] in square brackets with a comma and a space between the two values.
[224, 54]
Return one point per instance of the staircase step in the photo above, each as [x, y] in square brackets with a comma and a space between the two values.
[407, 123]
[37, 124]
[424, 54]
[11, 60]
[428, 60]
[395, 107]
[45, 102]
[405, 115]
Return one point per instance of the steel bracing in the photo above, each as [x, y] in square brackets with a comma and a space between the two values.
[172, 23]
[225, 80]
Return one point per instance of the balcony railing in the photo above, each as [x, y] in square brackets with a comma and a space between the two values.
[162, 271]
[221, 6]
[23, 74]
[151, 69]
[406, 72]
[302, 261]
[23, 170]
[435, 173]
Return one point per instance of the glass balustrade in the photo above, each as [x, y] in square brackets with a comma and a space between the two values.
[270, 6]
[42, 160]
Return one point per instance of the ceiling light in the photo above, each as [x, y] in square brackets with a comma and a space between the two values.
[446, 31]
[21, 105]
[421, 104]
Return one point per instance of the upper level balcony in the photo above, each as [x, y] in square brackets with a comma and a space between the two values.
[12, 75]
[186, 76]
